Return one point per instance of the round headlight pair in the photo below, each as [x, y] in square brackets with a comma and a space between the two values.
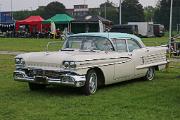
[19, 61]
[69, 64]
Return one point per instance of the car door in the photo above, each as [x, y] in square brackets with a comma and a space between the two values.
[137, 52]
[124, 65]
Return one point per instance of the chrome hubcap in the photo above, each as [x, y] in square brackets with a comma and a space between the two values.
[150, 74]
[93, 83]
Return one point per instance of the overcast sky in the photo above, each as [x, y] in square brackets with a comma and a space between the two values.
[5, 5]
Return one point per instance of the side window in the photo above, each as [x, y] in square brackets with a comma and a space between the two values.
[103, 44]
[132, 45]
[120, 45]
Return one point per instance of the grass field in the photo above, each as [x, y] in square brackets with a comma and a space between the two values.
[136, 100]
[133, 100]
[24, 44]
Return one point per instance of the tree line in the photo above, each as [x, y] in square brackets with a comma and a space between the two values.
[132, 11]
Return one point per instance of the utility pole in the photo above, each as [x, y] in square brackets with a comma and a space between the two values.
[120, 12]
[0, 14]
[170, 24]
[38, 3]
[0, 7]
[11, 10]
[105, 9]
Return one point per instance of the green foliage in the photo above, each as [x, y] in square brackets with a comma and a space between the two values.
[19, 15]
[163, 11]
[45, 11]
[52, 9]
[149, 13]
[132, 11]
[111, 11]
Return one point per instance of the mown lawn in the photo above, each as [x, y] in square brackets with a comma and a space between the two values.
[27, 45]
[155, 41]
[135, 100]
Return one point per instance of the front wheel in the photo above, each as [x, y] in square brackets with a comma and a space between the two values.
[34, 86]
[90, 86]
[150, 74]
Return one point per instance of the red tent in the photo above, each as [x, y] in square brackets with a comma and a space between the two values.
[34, 22]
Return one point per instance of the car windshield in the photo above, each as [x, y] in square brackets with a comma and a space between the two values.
[88, 43]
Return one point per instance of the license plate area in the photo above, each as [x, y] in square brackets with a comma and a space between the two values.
[40, 79]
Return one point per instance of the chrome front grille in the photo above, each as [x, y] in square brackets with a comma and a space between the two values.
[43, 73]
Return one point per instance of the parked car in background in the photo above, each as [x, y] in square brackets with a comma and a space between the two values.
[145, 29]
[91, 60]
[158, 30]
[131, 29]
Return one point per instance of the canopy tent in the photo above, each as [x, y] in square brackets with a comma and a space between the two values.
[34, 22]
[59, 19]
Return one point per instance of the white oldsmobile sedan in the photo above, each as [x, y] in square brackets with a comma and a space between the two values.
[91, 60]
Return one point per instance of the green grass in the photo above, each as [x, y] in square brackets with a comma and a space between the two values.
[135, 100]
[155, 41]
[25, 44]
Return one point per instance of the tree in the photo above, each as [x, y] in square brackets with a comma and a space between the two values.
[149, 13]
[162, 13]
[53, 8]
[111, 11]
[132, 11]
[45, 11]
[19, 15]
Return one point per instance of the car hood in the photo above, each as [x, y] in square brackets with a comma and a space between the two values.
[55, 59]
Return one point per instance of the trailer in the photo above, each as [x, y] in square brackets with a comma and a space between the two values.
[131, 29]
[145, 29]
[7, 22]
[158, 30]
[6, 17]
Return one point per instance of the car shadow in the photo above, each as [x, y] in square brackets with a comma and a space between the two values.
[123, 83]
[59, 90]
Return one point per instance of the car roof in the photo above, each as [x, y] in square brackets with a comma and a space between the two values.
[109, 35]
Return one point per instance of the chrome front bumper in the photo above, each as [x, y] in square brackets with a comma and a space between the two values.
[66, 79]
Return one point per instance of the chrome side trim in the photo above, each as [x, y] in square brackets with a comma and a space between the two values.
[108, 64]
[151, 65]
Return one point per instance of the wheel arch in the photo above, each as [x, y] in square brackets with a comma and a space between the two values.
[100, 75]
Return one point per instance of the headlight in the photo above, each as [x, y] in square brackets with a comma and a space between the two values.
[69, 64]
[66, 64]
[72, 65]
[19, 61]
